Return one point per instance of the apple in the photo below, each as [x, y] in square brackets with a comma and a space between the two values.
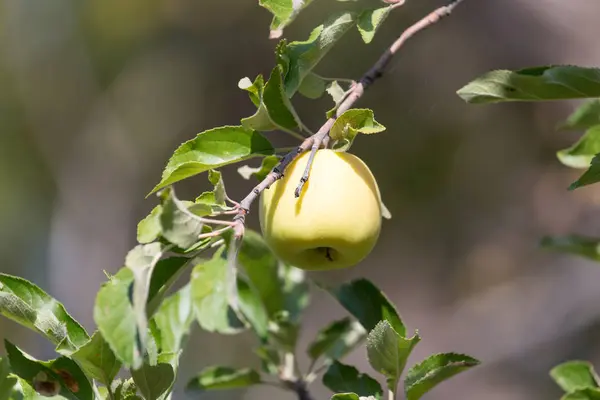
[335, 222]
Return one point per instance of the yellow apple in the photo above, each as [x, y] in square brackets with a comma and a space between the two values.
[336, 220]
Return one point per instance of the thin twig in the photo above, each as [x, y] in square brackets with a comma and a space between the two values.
[216, 233]
[315, 141]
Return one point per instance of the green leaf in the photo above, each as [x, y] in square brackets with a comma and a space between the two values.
[312, 87]
[584, 117]
[299, 58]
[141, 261]
[369, 22]
[284, 12]
[295, 291]
[591, 176]
[337, 339]
[220, 378]
[575, 375]
[345, 396]
[252, 308]
[212, 149]
[533, 84]
[351, 123]
[424, 376]
[210, 297]
[275, 111]
[584, 246]
[341, 378]
[115, 317]
[283, 332]
[583, 394]
[388, 352]
[97, 359]
[148, 229]
[7, 382]
[270, 359]
[125, 390]
[173, 320]
[580, 155]
[154, 380]
[336, 92]
[260, 173]
[61, 376]
[261, 267]
[27, 304]
[368, 304]
[179, 225]
[165, 273]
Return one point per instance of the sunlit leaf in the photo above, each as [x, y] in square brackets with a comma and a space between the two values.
[299, 58]
[212, 149]
[580, 155]
[97, 359]
[260, 173]
[148, 229]
[388, 352]
[27, 304]
[210, 297]
[221, 378]
[179, 225]
[583, 394]
[284, 12]
[575, 375]
[533, 84]
[437, 368]
[369, 22]
[351, 123]
[275, 111]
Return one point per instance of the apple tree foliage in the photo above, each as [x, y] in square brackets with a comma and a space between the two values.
[143, 322]
[547, 83]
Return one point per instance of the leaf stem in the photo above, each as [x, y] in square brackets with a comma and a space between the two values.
[391, 395]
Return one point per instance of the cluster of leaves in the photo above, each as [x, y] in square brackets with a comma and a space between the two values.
[578, 379]
[547, 83]
[272, 298]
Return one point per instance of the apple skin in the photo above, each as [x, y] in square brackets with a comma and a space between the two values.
[335, 222]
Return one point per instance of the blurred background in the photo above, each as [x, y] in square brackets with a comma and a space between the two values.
[95, 95]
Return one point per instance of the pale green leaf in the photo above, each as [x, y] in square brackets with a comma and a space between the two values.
[299, 58]
[388, 352]
[583, 394]
[533, 84]
[210, 297]
[589, 177]
[7, 382]
[153, 380]
[369, 22]
[212, 149]
[28, 305]
[284, 12]
[575, 375]
[179, 225]
[312, 87]
[173, 320]
[97, 359]
[260, 173]
[351, 123]
[275, 111]
[222, 378]
[148, 229]
[580, 155]
[437, 368]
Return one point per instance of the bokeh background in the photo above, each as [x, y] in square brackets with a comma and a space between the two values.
[96, 94]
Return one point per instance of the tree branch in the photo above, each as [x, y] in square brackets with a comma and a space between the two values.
[314, 142]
